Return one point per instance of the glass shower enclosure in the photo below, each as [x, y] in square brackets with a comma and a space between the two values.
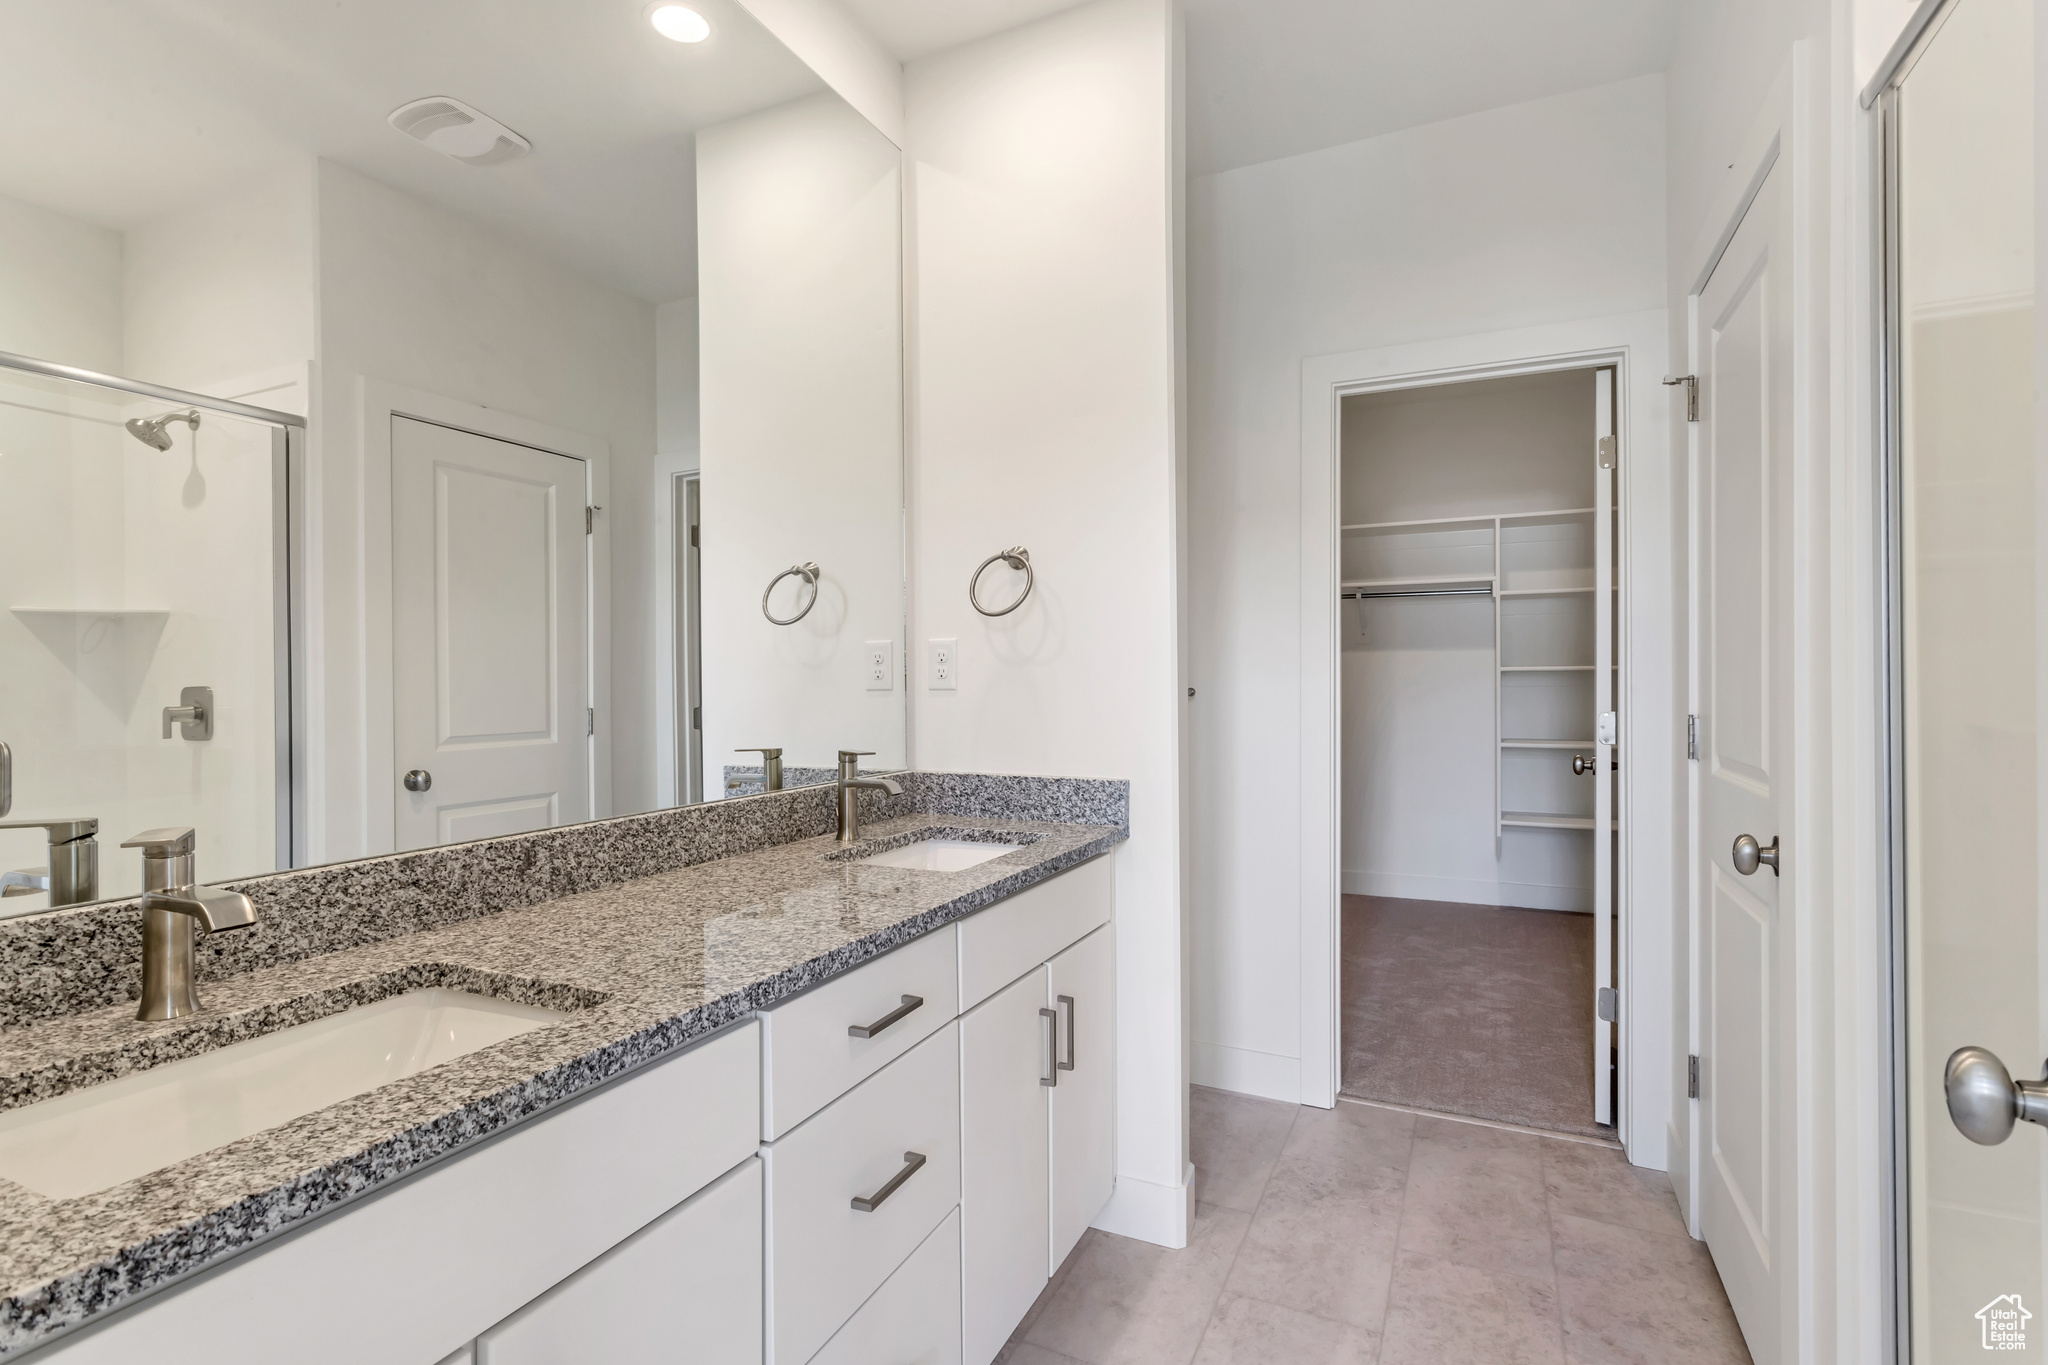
[145, 625]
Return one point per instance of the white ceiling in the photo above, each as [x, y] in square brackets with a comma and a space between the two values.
[1274, 78]
[910, 29]
[121, 110]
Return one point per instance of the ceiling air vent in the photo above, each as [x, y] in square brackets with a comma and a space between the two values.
[453, 128]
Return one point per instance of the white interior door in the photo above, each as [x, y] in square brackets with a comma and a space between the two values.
[490, 652]
[1745, 630]
[1606, 733]
[1968, 570]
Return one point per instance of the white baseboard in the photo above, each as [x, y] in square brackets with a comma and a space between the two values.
[1161, 1214]
[1240, 1069]
[1467, 891]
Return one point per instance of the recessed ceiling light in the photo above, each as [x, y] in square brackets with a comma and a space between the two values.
[682, 24]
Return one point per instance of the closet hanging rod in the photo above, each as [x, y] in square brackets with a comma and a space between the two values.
[1421, 592]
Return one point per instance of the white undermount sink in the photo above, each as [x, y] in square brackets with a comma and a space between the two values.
[95, 1138]
[939, 855]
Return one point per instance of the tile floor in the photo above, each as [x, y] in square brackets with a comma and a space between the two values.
[1369, 1236]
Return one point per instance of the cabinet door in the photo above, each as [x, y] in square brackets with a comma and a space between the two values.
[1006, 1048]
[686, 1290]
[1084, 1102]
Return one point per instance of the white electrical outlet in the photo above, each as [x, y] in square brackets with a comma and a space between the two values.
[881, 665]
[945, 665]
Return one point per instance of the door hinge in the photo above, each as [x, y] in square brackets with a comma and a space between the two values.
[590, 520]
[693, 536]
[1692, 1077]
[590, 720]
[1607, 729]
[1607, 1003]
[1605, 449]
[696, 718]
[1692, 393]
[1692, 738]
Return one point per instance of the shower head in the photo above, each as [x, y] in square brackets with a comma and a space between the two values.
[150, 430]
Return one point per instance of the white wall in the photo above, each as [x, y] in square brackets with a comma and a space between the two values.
[224, 288]
[412, 295]
[1542, 212]
[1418, 803]
[1043, 334]
[60, 288]
[799, 210]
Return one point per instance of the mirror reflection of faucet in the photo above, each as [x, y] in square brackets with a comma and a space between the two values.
[771, 769]
[73, 874]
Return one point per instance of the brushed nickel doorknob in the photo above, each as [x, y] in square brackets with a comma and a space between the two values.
[418, 780]
[1985, 1101]
[1749, 855]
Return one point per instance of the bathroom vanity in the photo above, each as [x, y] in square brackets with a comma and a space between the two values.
[795, 1103]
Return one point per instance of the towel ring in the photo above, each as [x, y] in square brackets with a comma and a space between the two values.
[809, 574]
[1017, 557]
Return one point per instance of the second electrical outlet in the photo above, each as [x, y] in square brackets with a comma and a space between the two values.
[945, 671]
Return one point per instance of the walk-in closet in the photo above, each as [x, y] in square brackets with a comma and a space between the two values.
[1479, 599]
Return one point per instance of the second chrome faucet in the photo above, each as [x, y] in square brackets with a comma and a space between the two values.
[850, 785]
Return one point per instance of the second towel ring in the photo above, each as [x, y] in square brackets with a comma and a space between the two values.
[809, 574]
[1017, 557]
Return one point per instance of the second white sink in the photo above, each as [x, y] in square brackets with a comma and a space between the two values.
[940, 855]
[93, 1139]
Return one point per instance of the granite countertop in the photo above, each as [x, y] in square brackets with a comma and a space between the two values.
[643, 967]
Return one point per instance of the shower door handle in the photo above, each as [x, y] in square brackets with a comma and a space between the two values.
[1984, 1101]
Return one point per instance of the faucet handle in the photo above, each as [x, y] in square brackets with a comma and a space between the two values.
[60, 831]
[215, 907]
[172, 841]
[856, 753]
[765, 753]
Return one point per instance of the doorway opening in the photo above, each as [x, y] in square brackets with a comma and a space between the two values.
[1479, 768]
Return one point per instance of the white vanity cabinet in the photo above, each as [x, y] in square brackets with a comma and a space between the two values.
[685, 1288]
[881, 1171]
[1037, 1098]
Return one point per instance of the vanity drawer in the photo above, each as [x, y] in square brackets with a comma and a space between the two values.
[914, 1319]
[809, 1056]
[825, 1256]
[1008, 939]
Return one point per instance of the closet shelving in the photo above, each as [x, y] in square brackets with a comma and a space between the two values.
[1538, 569]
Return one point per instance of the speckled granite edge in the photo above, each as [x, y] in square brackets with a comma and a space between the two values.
[66, 962]
[32, 1316]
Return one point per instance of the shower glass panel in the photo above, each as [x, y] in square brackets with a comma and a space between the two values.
[127, 575]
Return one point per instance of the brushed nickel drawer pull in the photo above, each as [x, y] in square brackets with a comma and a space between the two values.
[1051, 1075]
[912, 1161]
[1067, 1062]
[910, 1002]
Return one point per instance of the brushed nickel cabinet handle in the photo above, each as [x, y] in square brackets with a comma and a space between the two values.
[1050, 1076]
[1067, 1062]
[912, 1162]
[910, 1002]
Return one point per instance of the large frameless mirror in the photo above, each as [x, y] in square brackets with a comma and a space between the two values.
[426, 423]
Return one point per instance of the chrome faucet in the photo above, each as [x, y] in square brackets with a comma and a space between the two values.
[174, 907]
[850, 783]
[73, 876]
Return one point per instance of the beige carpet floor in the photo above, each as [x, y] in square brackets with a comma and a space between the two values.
[1470, 1009]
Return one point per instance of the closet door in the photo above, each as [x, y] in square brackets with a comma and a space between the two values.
[1606, 730]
